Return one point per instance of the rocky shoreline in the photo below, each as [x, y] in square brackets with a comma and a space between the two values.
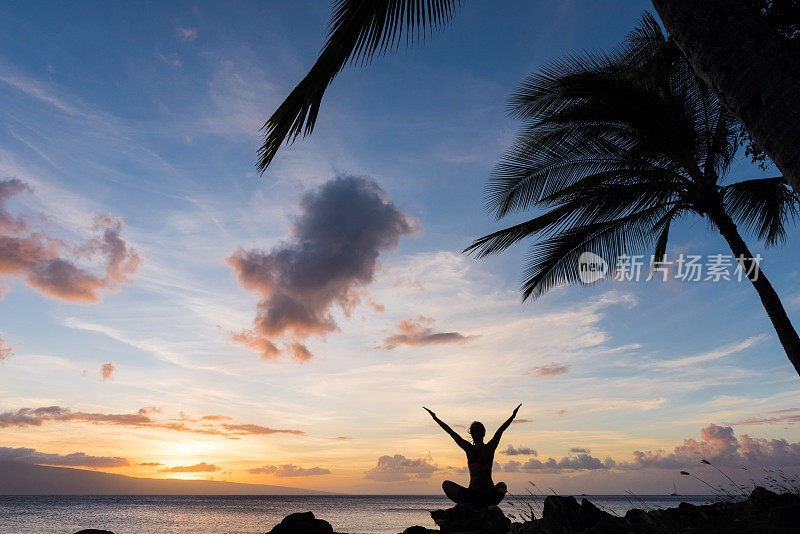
[763, 511]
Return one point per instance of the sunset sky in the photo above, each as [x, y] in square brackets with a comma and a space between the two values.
[167, 312]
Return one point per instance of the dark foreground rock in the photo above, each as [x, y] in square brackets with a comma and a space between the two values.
[762, 512]
[93, 531]
[464, 520]
[302, 523]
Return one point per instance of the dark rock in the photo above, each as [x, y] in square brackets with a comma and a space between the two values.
[615, 525]
[302, 523]
[419, 530]
[93, 531]
[465, 520]
[785, 519]
[565, 515]
[763, 498]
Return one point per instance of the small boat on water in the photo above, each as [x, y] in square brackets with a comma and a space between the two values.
[674, 491]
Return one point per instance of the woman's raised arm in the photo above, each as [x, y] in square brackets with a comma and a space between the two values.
[461, 442]
[495, 441]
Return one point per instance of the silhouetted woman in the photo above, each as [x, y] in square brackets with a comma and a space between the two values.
[482, 491]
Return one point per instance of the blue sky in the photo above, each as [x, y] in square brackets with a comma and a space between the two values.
[151, 112]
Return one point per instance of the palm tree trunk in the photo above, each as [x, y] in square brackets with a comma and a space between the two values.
[751, 68]
[769, 298]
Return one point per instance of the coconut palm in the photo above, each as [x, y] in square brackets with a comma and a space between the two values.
[617, 147]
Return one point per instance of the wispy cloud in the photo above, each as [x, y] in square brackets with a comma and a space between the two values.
[721, 352]
[289, 470]
[552, 369]
[75, 459]
[5, 350]
[419, 332]
[28, 417]
[186, 33]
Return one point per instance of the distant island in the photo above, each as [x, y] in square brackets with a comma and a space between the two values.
[28, 479]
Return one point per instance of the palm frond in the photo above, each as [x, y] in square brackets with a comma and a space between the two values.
[554, 261]
[763, 206]
[615, 146]
[358, 30]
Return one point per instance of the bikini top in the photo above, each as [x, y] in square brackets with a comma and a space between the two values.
[478, 466]
[474, 466]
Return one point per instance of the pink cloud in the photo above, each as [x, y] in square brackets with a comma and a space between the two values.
[48, 264]
[340, 231]
[551, 369]
[791, 415]
[107, 369]
[5, 351]
[720, 446]
[26, 417]
[419, 332]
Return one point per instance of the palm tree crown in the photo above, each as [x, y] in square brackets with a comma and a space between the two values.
[616, 147]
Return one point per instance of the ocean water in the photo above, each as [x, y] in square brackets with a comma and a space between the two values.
[178, 514]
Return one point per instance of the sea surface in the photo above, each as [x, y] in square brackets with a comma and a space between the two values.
[178, 514]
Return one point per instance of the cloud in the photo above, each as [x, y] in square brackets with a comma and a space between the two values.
[512, 467]
[399, 468]
[289, 470]
[107, 369]
[791, 415]
[25, 417]
[75, 459]
[579, 462]
[518, 451]
[48, 264]
[149, 464]
[720, 446]
[202, 467]
[341, 229]
[521, 421]
[721, 352]
[186, 34]
[575, 450]
[170, 60]
[258, 430]
[418, 332]
[5, 351]
[552, 369]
